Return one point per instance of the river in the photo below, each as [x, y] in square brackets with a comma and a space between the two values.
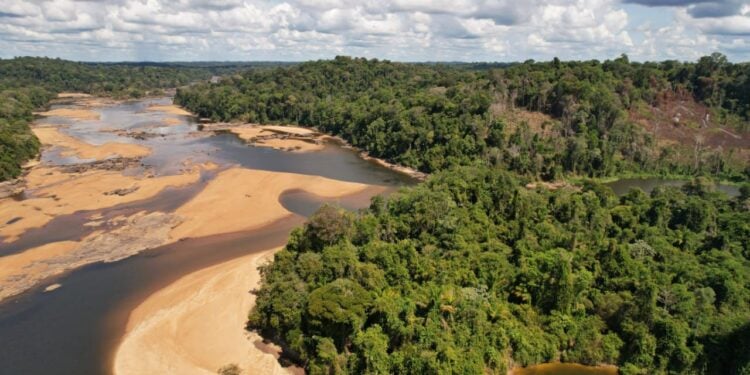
[75, 328]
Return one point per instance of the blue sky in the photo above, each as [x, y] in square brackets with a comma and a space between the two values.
[403, 30]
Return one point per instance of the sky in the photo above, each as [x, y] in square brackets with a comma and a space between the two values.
[400, 30]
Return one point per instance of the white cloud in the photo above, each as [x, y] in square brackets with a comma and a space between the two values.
[393, 29]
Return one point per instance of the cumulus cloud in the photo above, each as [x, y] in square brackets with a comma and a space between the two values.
[395, 29]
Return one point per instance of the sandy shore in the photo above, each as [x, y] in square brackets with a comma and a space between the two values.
[74, 147]
[294, 130]
[74, 95]
[287, 138]
[58, 193]
[172, 121]
[171, 109]
[28, 261]
[196, 325]
[76, 113]
[242, 199]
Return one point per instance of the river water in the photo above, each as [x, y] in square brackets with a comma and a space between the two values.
[74, 329]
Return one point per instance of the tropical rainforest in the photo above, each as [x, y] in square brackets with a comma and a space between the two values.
[545, 120]
[475, 271]
[472, 273]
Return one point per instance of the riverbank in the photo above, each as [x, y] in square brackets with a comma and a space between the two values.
[197, 324]
[52, 137]
[298, 138]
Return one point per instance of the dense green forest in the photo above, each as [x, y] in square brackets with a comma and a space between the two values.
[28, 83]
[432, 117]
[471, 273]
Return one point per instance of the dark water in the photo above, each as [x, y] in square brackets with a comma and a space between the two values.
[622, 186]
[74, 329]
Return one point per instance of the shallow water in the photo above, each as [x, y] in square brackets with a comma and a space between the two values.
[74, 329]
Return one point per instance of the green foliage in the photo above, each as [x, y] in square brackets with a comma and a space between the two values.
[471, 272]
[433, 117]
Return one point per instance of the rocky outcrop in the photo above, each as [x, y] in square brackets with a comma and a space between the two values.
[131, 235]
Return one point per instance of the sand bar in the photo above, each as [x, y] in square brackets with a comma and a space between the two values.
[171, 109]
[75, 113]
[294, 130]
[289, 144]
[171, 121]
[76, 95]
[83, 150]
[288, 138]
[243, 199]
[58, 193]
[196, 325]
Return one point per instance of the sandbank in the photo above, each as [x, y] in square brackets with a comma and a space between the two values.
[294, 145]
[83, 150]
[76, 113]
[172, 121]
[197, 325]
[58, 193]
[242, 199]
[171, 109]
[64, 95]
[294, 130]
[288, 138]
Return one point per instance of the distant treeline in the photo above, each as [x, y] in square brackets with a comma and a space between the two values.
[435, 116]
[471, 273]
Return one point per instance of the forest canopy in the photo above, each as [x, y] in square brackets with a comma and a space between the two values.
[432, 117]
[472, 273]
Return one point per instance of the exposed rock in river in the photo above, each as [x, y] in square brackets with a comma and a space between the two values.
[111, 164]
[132, 235]
[11, 188]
